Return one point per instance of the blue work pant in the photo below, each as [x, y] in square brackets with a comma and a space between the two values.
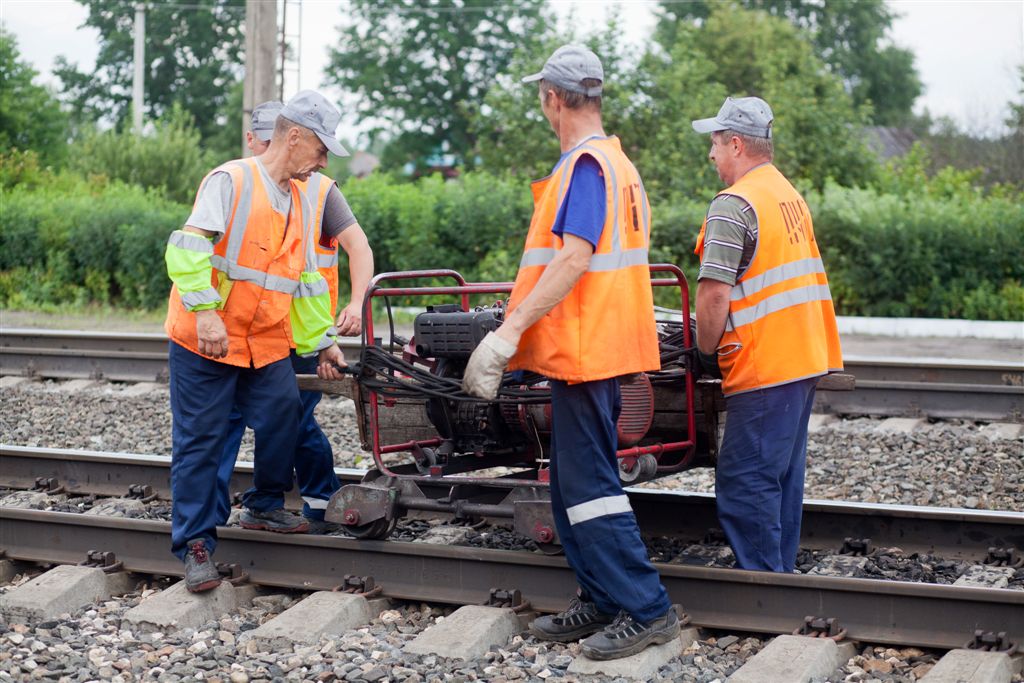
[592, 514]
[759, 481]
[314, 458]
[203, 392]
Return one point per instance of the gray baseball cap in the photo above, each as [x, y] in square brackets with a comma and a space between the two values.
[568, 66]
[264, 116]
[748, 115]
[312, 110]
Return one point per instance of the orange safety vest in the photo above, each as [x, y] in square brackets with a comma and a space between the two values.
[324, 253]
[781, 326]
[256, 268]
[605, 326]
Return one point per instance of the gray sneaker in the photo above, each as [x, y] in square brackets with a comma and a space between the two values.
[200, 572]
[280, 520]
[625, 636]
[581, 619]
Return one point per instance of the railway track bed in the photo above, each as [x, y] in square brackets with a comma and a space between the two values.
[935, 388]
[880, 611]
[890, 588]
[920, 620]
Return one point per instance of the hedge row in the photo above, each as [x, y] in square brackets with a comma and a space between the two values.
[69, 242]
[72, 243]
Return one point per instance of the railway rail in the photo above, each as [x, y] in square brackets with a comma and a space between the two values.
[945, 532]
[924, 615]
[936, 388]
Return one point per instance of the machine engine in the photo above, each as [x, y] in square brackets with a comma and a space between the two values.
[446, 337]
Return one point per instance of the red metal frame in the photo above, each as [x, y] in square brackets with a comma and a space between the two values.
[464, 290]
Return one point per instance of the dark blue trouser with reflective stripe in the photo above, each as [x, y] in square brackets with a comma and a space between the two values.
[314, 458]
[759, 481]
[203, 393]
[596, 525]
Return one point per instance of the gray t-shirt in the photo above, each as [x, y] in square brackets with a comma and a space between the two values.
[213, 205]
[337, 213]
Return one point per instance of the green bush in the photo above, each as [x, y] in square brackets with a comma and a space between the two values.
[69, 242]
[944, 250]
[169, 158]
[920, 255]
[437, 224]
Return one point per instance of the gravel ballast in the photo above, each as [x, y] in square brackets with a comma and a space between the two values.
[945, 464]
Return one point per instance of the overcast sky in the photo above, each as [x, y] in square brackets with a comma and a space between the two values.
[967, 51]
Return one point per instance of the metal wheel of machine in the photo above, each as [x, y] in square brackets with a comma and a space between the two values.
[377, 530]
[425, 459]
[648, 466]
[644, 468]
[551, 548]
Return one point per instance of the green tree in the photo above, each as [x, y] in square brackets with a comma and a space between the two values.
[650, 106]
[168, 159]
[511, 132]
[416, 66]
[30, 117]
[995, 154]
[194, 56]
[849, 35]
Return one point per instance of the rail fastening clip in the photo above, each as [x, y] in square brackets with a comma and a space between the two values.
[1004, 557]
[232, 573]
[359, 585]
[102, 559]
[857, 547]
[141, 492]
[991, 642]
[511, 599]
[49, 485]
[821, 627]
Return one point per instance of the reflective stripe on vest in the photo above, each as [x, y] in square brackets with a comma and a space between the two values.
[275, 283]
[598, 262]
[778, 302]
[206, 296]
[327, 260]
[774, 276]
[311, 288]
[190, 241]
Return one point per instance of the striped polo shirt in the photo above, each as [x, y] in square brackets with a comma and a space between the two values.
[729, 239]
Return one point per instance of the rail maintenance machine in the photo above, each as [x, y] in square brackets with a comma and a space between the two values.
[439, 450]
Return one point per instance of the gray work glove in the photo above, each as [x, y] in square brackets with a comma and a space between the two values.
[486, 366]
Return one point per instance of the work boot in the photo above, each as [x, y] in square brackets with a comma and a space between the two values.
[581, 619]
[280, 520]
[626, 636]
[200, 573]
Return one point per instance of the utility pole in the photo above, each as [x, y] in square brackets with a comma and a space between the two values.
[138, 80]
[260, 62]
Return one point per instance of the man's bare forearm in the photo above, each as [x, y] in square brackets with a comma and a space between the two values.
[712, 311]
[360, 271]
[558, 279]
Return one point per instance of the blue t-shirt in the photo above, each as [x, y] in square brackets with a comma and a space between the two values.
[583, 209]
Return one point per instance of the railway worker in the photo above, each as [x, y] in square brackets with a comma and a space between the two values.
[334, 225]
[581, 314]
[766, 325]
[237, 264]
